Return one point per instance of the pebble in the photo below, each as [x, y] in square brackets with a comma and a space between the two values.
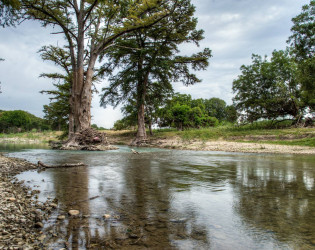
[53, 205]
[39, 225]
[106, 216]
[74, 212]
[61, 217]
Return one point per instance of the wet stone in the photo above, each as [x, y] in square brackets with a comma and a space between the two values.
[74, 212]
[53, 205]
[39, 225]
[61, 217]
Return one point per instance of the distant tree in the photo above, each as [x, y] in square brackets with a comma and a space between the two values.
[230, 113]
[182, 112]
[215, 107]
[302, 41]
[180, 115]
[269, 89]
[152, 56]
[19, 120]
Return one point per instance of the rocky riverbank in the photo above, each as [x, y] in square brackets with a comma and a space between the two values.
[21, 215]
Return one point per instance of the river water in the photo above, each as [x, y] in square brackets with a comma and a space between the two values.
[169, 199]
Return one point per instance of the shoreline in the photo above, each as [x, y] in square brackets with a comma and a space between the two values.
[232, 146]
[198, 145]
[21, 214]
[219, 145]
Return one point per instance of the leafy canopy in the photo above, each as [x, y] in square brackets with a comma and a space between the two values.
[268, 89]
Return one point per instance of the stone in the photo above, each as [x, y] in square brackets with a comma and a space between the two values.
[53, 205]
[106, 216]
[42, 237]
[39, 225]
[61, 217]
[74, 212]
[11, 199]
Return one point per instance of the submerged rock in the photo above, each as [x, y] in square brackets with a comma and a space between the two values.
[106, 216]
[74, 212]
[61, 217]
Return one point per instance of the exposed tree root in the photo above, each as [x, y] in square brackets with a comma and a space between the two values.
[87, 139]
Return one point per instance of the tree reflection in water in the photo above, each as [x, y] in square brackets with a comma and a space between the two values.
[278, 200]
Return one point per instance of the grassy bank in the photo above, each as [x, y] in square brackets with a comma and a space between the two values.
[44, 136]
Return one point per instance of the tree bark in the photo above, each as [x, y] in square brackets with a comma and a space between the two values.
[141, 137]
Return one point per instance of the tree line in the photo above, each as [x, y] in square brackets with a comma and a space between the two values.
[182, 112]
[21, 121]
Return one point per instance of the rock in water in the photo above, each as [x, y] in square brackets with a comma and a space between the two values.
[61, 217]
[106, 216]
[74, 212]
[39, 225]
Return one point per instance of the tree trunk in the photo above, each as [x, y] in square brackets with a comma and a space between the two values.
[141, 137]
[150, 128]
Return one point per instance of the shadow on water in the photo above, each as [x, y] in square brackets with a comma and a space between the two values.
[164, 199]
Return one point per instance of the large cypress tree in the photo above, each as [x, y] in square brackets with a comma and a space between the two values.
[152, 56]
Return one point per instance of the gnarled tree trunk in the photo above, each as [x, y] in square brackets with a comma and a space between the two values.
[141, 137]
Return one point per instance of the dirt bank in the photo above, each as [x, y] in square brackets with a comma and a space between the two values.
[21, 215]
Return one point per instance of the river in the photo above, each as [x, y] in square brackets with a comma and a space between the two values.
[169, 199]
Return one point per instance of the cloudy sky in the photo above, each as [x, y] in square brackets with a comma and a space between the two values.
[234, 29]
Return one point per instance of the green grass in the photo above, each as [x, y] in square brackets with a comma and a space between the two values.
[44, 136]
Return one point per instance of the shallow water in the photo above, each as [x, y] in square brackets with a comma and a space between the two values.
[164, 199]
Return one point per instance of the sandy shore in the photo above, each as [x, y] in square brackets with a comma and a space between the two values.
[229, 146]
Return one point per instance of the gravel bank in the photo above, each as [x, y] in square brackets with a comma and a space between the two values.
[21, 215]
[229, 146]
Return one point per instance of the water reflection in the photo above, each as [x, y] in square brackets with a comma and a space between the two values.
[278, 198]
[179, 199]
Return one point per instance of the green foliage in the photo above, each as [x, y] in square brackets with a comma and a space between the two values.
[18, 121]
[215, 107]
[9, 12]
[145, 62]
[182, 112]
[94, 126]
[127, 122]
[230, 114]
[57, 111]
[302, 41]
[269, 89]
